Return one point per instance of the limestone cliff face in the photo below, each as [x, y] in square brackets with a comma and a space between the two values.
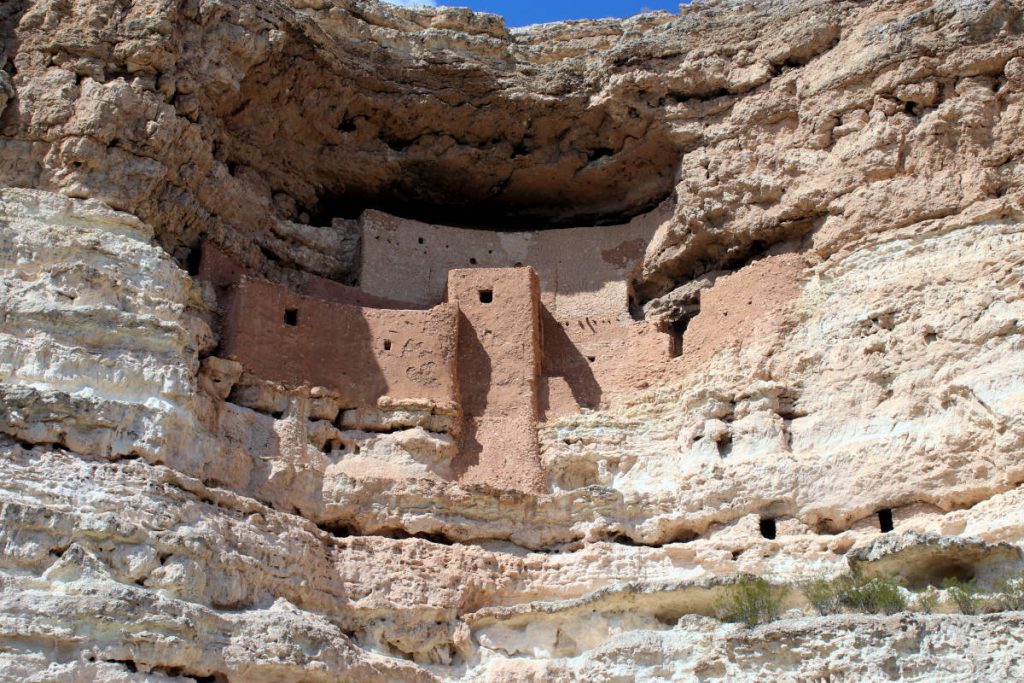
[841, 229]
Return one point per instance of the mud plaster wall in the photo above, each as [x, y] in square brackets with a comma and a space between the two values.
[592, 349]
[218, 269]
[362, 353]
[499, 361]
[582, 271]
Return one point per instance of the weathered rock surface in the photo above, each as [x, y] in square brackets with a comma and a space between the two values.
[846, 197]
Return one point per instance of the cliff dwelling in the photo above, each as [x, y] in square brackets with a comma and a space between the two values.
[343, 341]
[500, 332]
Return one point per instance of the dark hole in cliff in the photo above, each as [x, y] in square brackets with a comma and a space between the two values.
[214, 678]
[676, 331]
[328, 447]
[885, 520]
[622, 539]
[192, 261]
[387, 344]
[472, 261]
[420, 240]
[434, 538]
[486, 296]
[591, 358]
[277, 414]
[291, 317]
[768, 528]
[338, 529]
[685, 536]
[725, 445]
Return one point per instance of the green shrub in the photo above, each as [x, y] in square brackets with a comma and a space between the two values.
[927, 600]
[823, 594]
[751, 600]
[874, 595]
[1011, 593]
[856, 593]
[964, 594]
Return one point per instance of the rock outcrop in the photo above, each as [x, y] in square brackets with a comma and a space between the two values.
[836, 198]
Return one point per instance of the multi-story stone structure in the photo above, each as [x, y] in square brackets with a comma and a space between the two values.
[505, 330]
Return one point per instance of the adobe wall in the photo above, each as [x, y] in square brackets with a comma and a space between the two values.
[589, 361]
[217, 268]
[592, 349]
[362, 353]
[582, 271]
[499, 359]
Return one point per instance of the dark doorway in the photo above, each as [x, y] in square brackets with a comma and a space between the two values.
[885, 520]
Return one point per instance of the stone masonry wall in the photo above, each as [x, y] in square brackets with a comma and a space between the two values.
[362, 353]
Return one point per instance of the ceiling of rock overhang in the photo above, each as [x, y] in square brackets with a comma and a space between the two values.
[452, 138]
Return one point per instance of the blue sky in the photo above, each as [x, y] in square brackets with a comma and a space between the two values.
[523, 12]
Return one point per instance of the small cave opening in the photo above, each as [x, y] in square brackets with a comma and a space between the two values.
[193, 260]
[768, 529]
[387, 344]
[676, 331]
[291, 317]
[885, 520]
[938, 571]
[724, 445]
[339, 529]
[486, 296]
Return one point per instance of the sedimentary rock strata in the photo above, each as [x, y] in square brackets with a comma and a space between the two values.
[340, 341]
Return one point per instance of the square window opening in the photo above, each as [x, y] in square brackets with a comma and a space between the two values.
[768, 528]
[291, 317]
[486, 296]
[387, 344]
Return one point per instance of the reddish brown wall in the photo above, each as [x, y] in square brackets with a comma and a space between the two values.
[590, 361]
[342, 346]
[498, 373]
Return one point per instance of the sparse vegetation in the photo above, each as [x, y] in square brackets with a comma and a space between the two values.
[875, 595]
[1011, 593]
[964, 594]
[752, 600]
[927, 600]
[823, 595]
[857, 593]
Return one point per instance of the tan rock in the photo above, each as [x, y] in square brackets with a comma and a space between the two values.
[775, 306]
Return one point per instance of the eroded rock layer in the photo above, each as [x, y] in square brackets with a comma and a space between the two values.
[805, 310]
